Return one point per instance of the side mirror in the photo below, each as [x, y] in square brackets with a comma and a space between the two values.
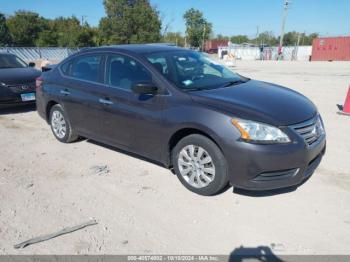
[145, 88]
[31, 64]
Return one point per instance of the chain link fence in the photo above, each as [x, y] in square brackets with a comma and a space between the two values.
[38, 53]
[289, 53]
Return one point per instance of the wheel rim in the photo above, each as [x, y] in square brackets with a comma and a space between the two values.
[58, 124]
[196, 166]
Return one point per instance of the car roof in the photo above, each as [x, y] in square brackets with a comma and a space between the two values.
[137, 48]
[8, 54]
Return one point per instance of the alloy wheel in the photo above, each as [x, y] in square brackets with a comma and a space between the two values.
[196, 166]
[58, 124]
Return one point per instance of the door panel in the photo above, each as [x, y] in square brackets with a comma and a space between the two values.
[83, 107]
[134, 121]
[80, 93]
[131, 120]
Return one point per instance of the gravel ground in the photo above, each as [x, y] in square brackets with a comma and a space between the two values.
[142, 208]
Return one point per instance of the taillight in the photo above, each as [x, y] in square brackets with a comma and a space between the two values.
[39, 82]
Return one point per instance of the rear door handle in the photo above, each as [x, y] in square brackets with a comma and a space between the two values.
[65, 92]
[105, 101]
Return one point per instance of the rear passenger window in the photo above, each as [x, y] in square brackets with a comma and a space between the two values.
[87, 67]
[66, 68]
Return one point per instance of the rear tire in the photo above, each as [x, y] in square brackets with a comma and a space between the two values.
[200, 165]
[61, 126]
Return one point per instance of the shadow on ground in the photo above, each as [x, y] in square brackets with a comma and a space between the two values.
[253, 254]
[8, 110]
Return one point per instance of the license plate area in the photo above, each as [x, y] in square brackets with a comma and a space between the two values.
[28, 97]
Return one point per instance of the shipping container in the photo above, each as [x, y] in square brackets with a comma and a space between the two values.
[331, 49]
[213, 45]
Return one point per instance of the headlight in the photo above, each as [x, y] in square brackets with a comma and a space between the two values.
[2, 84]
[261, 133]
[320, 126]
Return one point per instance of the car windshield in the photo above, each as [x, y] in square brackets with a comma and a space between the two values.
[190, 70]
[11, 61]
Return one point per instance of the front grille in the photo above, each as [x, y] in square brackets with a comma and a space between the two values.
[310, 130]
[20, 88]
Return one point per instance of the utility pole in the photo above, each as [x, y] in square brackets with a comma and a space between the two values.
[83, 19]
[203, 37]
[285, 14]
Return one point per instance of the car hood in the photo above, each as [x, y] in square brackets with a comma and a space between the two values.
[259, 101]
[12, 76]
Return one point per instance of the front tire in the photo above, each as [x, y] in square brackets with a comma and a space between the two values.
[200, 165]
[60, 125]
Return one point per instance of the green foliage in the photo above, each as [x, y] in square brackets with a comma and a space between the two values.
[222, 37]
[126, 21]
[308, 39]
[5, 37]
[174, 38]
[239, 39]
[266, 38]
[129, 21]
[70, 33]
[291, 38]
[198, 29]
[28, 29]
[47, 36]
[25, 27]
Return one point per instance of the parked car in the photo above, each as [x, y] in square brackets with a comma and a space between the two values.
[213, 51]
[17, 80]
[178, 107]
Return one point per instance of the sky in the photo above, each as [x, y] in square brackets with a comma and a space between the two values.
[229, 17]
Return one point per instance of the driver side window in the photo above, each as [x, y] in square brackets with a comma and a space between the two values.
[123, 72]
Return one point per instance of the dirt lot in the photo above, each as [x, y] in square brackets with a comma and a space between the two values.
[142, 208]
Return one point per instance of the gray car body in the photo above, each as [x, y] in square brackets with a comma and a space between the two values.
[151, 125]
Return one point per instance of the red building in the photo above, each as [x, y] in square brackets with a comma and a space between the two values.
[214, 44]
[331, 49]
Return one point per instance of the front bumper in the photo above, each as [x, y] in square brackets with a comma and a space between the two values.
[268, 167]
[9, 97]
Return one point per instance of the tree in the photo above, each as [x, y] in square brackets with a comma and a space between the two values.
[129, 21]
[222, 37]
[239, 39]
[308, 39]
[174, 38]
[266, 38]
[5, 38]
[48, 36]
[290, 38]
[198, 29]
[25, 27]
[67, 32]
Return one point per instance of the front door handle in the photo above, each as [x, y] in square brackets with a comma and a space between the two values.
[105, 101]
[65, 92]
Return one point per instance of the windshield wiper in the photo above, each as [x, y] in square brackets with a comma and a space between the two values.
[195, 89]
[234, 82]
[227, 84]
